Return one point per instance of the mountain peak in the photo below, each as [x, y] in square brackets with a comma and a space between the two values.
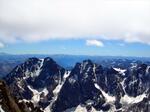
[49, 59]
[46, 85]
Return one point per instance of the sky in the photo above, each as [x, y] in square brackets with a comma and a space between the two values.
[80, 27]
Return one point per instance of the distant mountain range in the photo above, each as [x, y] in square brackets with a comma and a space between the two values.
[9, 61]
[43, 85]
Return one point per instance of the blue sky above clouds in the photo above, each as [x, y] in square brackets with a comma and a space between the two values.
[93, 27]
[79, 47]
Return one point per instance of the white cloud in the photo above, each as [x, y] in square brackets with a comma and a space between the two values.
[94, 43]
[37, 20]
[1, 45]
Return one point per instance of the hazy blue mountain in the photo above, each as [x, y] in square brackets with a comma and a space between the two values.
[9, 61]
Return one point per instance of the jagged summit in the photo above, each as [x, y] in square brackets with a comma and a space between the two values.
[48, 87]
[35, 80]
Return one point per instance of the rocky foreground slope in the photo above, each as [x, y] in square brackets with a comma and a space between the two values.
[41, 85]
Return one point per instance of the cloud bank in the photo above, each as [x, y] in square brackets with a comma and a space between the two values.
[38, 20]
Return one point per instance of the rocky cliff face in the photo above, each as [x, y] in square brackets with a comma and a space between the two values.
[43, 85]
[104, 89]
[7, 101]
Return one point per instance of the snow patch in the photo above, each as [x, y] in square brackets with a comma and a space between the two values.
[66, 74]
[36, 72]
[24, 100]
[1, 110]
[97, 86]
[81, 108]
[130, 100]
[45, 91]
[36, 94]
[88, 69]
[121, 71]
[47, 109]
[84, 65]
[56, 91]
[27, 74]
[133, 65]
[132, 83]
[109, 99]
[123, 85]
[147, 69]
[73, 79]
[19, 85]
[94, 69]
[89, 102]
[59, 86]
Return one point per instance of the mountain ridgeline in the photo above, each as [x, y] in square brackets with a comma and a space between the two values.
[41, 85]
